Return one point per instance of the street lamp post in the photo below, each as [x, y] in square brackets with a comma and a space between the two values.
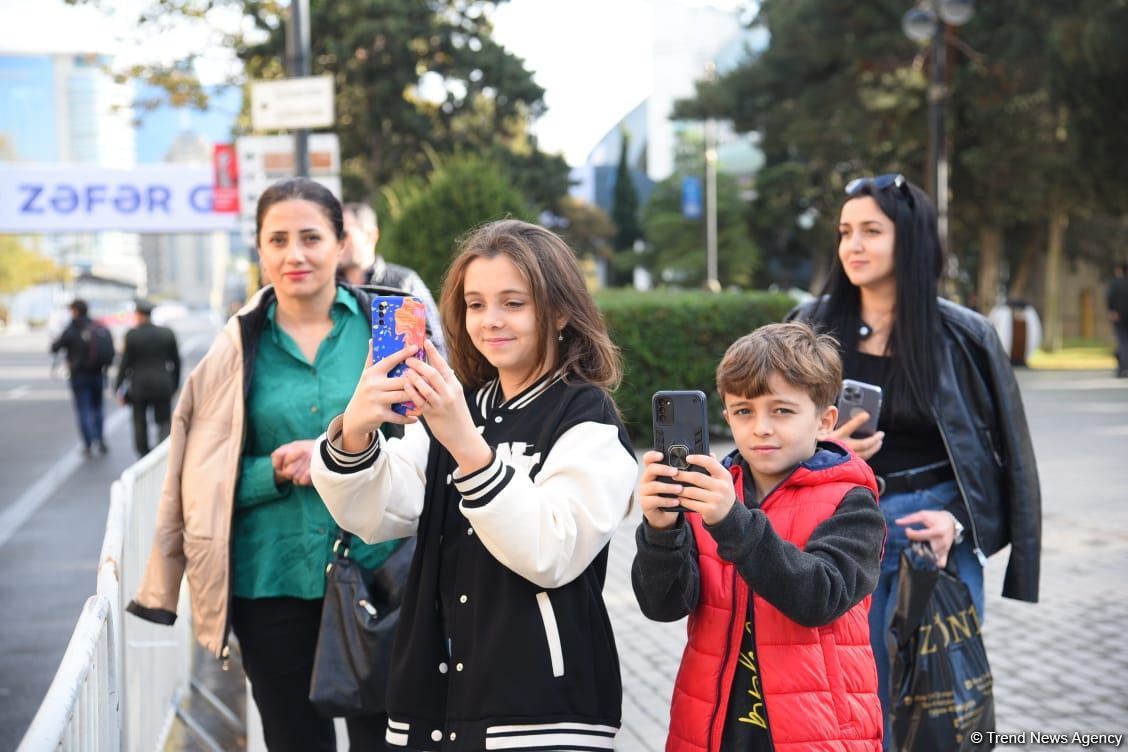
[927, 23]
[298, 66]
[711, 281]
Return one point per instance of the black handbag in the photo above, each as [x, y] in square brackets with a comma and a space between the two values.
[941, 685]
[358, 625]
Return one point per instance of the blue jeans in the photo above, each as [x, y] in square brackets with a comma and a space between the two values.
[884, 600]
[88, 389]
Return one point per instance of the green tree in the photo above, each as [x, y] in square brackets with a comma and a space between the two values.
[587, 228]
[834, 95]
[409, 76]
[21, 268]
[461, 194]
[624, 202]
[677, 244]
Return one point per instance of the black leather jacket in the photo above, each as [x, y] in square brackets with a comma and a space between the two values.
[978, 409]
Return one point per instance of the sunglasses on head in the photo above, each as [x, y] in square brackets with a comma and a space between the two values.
[880, 183]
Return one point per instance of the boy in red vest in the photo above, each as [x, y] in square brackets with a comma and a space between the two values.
[774, 564]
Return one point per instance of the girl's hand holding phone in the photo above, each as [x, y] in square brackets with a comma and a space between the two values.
[438, 396]
[373, 399]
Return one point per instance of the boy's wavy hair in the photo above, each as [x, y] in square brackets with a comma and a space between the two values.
[793, 351]
[557, 287]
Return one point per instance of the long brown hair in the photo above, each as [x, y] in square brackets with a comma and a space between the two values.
[558, 291]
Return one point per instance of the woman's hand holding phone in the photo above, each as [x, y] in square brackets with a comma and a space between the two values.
[373, 399]
[864, 448]
[438, 396]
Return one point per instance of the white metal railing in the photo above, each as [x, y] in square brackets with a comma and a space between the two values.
[121, 681]
[80, 711]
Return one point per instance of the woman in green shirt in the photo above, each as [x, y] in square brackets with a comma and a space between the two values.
[312, 344]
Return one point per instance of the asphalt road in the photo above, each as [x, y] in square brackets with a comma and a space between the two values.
[53, 506]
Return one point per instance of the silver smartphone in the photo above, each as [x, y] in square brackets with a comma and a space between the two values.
[855, 397]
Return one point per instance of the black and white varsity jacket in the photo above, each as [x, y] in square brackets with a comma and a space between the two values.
[504, 641]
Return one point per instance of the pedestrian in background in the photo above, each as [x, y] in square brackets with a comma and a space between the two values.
[89, 351]
[362, 235]
[148, 375]
[515, 480]
[774, 561]
[1117, 301]
[238, 512]
[953, 455]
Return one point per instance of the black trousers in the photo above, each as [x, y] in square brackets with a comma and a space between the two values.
[277, 637]
[1121, 328]
[162, 414]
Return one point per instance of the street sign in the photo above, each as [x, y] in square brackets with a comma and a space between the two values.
[225, 192]
[69, 198]
[292, 103]
[264, 160]
[691, 197]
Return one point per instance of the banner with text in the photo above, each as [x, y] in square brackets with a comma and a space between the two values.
[63, 198]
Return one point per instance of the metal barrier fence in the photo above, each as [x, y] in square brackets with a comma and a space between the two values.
[121, 681]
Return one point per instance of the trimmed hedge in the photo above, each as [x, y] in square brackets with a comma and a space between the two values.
[675, 339]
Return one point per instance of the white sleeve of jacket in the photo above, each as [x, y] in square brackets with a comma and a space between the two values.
[550, 530]
[380, 497]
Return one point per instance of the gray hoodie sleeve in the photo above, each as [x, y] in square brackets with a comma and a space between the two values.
[664, 574]
[814, 585]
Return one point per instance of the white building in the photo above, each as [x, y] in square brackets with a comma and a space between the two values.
[58, 103]
[688, 39]
[191, 267]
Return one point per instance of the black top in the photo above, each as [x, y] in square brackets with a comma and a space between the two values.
[151, 362]
[746, 719]
[910, 440]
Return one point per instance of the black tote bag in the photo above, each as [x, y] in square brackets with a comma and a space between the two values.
[358, 625]
[941, 681]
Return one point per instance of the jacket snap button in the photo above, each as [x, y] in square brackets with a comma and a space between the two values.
[453, 736]
[436, 735]
[442, 668]
[469, 531]
[313, 409]
[458, 667]
[497, 419]
[462, 599]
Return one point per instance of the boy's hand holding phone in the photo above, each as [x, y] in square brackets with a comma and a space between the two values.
[710, 495]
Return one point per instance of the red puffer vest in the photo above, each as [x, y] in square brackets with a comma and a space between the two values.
[819, 683]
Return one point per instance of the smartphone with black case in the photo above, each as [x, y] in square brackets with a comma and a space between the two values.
[681, 428]
[397, 322]
[855, 397]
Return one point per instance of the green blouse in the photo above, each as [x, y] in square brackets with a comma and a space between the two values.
[282, 537]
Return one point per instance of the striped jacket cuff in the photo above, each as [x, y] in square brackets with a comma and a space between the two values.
[340, 461]
[481, 486]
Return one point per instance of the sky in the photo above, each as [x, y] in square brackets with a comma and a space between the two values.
[593, 57]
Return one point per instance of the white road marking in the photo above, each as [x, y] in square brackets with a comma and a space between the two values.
[17, 513]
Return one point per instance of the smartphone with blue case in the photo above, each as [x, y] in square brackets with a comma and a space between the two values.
[397, 322]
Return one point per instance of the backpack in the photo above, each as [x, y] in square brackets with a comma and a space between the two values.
[99, 346]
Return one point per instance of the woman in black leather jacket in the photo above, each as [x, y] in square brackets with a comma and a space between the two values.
[952, 454]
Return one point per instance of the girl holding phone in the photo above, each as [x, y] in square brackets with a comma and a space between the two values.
[514, 471]
[954, 460]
